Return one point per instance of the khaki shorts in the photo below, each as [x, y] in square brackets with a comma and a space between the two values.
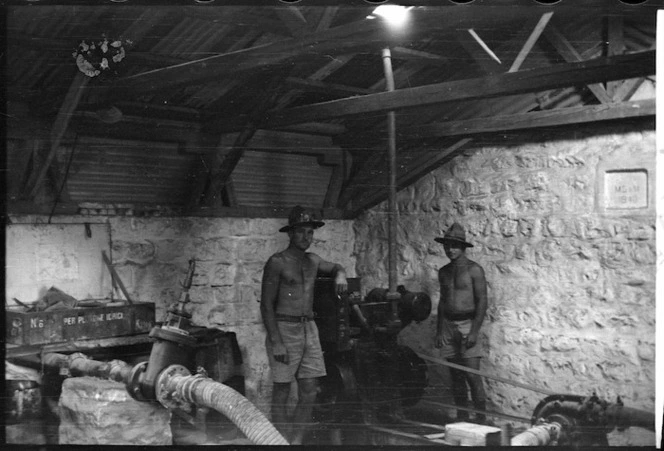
[305, 356]
[453, 347]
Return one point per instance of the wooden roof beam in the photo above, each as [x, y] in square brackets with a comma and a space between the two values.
[362, 34]
[561, 75]
[404, 53]
[536, 119]
[236, 63]
[312, 85]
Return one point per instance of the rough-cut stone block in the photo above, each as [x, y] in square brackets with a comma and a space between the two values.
[236, 313]
[470, 434]
[224, 295]
[100, 412]
[169, 250]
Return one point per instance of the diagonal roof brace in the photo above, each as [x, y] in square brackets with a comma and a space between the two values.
[561, 75]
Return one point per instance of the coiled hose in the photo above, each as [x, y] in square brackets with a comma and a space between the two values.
[206, 392]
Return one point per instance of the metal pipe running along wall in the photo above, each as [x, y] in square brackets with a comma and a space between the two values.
[171, 384]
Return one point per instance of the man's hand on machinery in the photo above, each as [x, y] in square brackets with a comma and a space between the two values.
[341, 283]
[280, 353]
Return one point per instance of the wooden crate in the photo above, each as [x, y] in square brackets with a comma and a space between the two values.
[87, 323]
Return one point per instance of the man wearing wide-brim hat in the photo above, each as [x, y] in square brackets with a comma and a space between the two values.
[293, 346]
[461, 311]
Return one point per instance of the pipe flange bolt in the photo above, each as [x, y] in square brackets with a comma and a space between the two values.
[170, 398]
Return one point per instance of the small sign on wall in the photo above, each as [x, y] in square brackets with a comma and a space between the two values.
[625, 187]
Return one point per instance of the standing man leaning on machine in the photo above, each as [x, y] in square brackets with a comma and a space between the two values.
[292, 342]
[461, 311]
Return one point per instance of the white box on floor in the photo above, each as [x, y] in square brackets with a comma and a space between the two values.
[471, 434]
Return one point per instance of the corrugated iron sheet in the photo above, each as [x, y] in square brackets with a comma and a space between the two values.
[280, 180]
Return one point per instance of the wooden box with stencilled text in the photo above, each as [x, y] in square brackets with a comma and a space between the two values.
[105, 320]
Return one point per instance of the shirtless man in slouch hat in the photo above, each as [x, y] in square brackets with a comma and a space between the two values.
[461, 311]
[292, 342]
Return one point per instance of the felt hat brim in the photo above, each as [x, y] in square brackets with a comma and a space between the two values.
[451, 240]
[314, 224]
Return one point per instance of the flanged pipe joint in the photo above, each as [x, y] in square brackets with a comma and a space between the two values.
[173, 346]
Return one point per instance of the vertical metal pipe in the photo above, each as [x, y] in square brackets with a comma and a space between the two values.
[392, 180]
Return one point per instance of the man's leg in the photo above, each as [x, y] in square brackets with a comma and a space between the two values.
[307, 391]
[459, 391]
[476, 388]
[280, 392]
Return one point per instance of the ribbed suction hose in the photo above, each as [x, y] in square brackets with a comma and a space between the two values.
[203, 391]
[540, 435]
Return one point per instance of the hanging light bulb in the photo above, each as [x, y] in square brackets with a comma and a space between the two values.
[395, 15]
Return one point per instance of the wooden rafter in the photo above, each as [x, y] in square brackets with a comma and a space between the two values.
[547, 118]
[533, 80]
[569, 53]
[294, 20]
[312, 85]
[530, 42]
[326, 19]
[488, 65]
[616, 46]
[322, 73]
[352, 37]
[399, 52]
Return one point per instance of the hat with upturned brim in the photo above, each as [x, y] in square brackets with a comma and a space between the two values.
[455, 235]
[300, 217]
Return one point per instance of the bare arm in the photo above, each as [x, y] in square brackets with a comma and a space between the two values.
[269, 293]
[441, 316]
[339, 273]
[481, 303]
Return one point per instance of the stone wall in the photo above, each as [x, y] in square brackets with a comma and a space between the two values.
[151, 256]
[571, 290]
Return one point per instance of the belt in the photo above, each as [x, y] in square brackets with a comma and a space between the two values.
[458, 316]
[292, 318]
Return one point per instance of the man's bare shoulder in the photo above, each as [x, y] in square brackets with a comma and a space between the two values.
[475, 267]
[314, 257]
[276, 259]
[445, 267]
